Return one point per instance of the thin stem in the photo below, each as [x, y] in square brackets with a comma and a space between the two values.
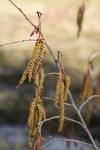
[49, 98]
[23, 14]
[68, 140]
[86, 101]
[53, 56]
[19, 41]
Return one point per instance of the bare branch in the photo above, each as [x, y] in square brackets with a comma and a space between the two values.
[57, 117]
[86, 101]
[53, 56]
[15, 42]
[23, 14]
[68, 140]
[83, 122]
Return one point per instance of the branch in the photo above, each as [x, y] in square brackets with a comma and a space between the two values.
[23, 13]
[53, 56]
[94, 55]
[86, 101]
[15, 42]
[56, 117]
[68, 140]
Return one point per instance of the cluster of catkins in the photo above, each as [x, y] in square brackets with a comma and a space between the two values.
[61, 94]
[37, 111]
[34, 62]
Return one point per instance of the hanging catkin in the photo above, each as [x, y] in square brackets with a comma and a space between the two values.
[80, 17]
[39, 59]
[61, 105]
[58, 88]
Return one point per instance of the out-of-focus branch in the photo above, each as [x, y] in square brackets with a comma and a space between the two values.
[86, 101]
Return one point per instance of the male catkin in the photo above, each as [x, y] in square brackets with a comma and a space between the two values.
[58, 89]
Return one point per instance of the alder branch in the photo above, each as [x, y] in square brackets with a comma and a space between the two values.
[23, 13]
[57, 117]
[53, 56]
[86, 101]
[19, 41]
[68, 140]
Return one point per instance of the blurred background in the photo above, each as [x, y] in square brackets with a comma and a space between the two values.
[60, 30]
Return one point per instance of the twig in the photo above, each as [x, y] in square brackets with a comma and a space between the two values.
[49, 98]
[53, 56]
[68, 140]
[23, 14]
[86, 101]
[15, 42]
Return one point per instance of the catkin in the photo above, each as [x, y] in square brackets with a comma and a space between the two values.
[61, 105]
[31, 114]
[41, 54]
[58, 89]
[39, 115]
[66, 87]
